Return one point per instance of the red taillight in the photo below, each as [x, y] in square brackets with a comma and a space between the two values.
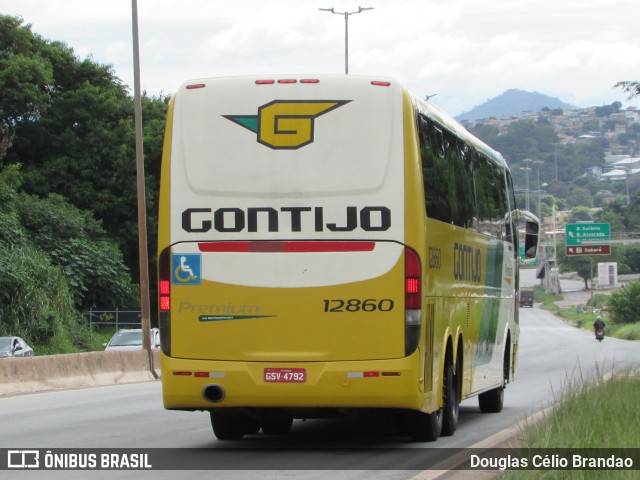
[412, 300]
[412, 274]
[413, 285]
[164, 286]
[165, 296]
[265, 82]
[195, 86]
[165, 302]
[309, 80]
[287, 80]
[377, 83]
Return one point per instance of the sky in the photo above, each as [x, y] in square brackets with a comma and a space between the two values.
[464, 52]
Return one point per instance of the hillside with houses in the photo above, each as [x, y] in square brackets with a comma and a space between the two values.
[621, 160]
[570, 164]
[612, 130]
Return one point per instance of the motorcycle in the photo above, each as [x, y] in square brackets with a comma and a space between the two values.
[600, 334]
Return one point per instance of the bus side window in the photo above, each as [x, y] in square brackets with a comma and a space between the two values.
[434, 171]
[437, 140]
[447, 175]
[491, 191]
[462, 194]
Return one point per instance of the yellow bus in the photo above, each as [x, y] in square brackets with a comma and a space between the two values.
[332, 246]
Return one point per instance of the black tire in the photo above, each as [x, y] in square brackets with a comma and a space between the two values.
[420, 426]
[252, 426]
[403, 424]
[491, 401]
[276, 426]
[451, 395]
[228, 427]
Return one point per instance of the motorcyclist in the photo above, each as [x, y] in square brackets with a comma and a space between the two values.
[598, 324]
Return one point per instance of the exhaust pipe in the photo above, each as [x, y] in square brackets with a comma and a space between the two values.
[213, 393]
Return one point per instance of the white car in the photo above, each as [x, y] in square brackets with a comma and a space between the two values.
[14, 347]
[131, 339]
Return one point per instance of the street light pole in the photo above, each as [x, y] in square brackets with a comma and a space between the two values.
[346, 31]
[556, 286]
[626, 171]
[538, 163]
[526, 171]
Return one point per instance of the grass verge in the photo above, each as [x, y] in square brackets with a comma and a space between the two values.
[589, 413]
[584, 318]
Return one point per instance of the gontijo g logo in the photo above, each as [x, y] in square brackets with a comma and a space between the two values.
[286, 124]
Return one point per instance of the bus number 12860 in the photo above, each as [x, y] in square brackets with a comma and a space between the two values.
[357, 305]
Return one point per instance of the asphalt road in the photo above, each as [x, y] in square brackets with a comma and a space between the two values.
[132, 416]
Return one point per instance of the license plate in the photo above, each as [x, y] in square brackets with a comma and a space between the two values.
[287, 375]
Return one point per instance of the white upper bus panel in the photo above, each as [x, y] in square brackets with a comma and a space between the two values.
[236, 137]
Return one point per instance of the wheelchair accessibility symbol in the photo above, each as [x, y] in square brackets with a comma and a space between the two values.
[186, 269]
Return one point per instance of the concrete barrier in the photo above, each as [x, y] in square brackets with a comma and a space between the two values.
[50, 372]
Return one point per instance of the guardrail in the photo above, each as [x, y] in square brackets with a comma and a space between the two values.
[90, 369]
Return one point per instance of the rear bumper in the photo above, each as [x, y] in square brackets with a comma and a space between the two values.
[378, 384]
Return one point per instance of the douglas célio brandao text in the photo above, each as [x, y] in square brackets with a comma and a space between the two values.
[550, 461]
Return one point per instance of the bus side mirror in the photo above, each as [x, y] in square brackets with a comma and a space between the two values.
[531, 236]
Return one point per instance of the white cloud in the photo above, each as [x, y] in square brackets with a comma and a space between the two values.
[466, 51]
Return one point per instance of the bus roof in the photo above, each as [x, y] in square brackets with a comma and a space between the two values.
[445, 120]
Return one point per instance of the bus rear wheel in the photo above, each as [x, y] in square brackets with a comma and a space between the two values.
[231, 427]
[491, 401]
[420, 426]
[451, 396]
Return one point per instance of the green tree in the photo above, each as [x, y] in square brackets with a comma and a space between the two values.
[631, 87]
[527, 139]
[25, 75]
[35, 301]
[75, 241]
[584, 265]
[54, 261]
[611, 216]
[81, 144]
[488, 133]
[633, 258]
[580, 214]
[607, 110]
[632, 214]
[623, 303]
[580, 199]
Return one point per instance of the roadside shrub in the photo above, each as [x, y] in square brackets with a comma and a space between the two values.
[91, 262]
[623, 304]
[34, 296]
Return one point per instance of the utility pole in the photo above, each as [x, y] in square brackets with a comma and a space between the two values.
[346, 31]
[145, 309]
